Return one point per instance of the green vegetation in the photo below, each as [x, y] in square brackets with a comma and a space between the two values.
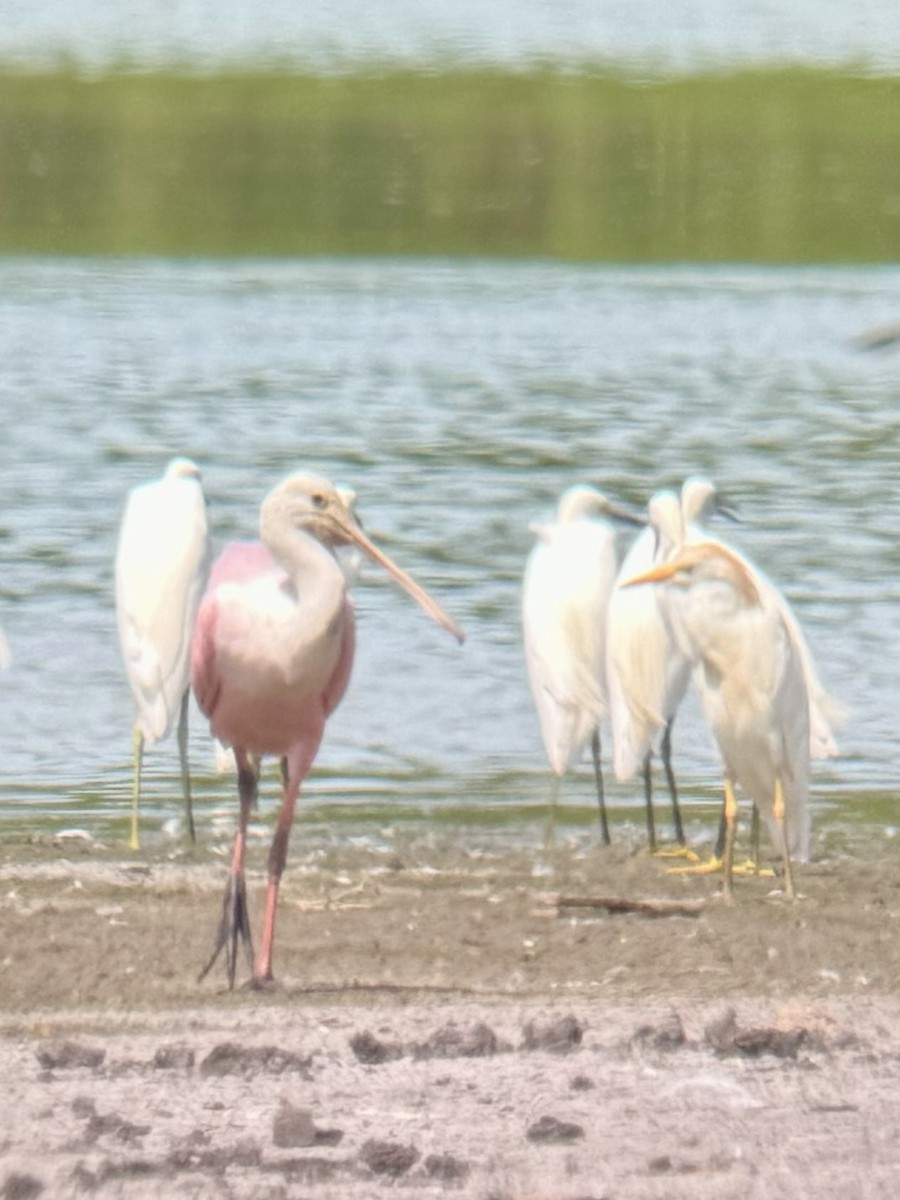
[778, 166]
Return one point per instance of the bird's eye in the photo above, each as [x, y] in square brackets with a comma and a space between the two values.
[318, 500]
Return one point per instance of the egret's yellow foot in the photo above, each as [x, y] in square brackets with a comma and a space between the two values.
[752, 867]
[678, 852]
[710, 867]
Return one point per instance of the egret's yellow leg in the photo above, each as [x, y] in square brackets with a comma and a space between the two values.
[137, 757]
[550, 830]
[185, 768]
[731, 811]
[778, 813]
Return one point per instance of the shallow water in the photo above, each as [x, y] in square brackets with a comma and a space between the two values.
[640, 33]
[458, 399]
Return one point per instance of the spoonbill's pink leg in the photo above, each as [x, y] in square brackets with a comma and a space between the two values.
[262, 971]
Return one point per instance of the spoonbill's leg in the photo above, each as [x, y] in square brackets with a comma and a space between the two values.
[234, 925]
[262, 971]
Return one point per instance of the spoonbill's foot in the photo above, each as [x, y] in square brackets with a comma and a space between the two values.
[263, 983]
[234, 927]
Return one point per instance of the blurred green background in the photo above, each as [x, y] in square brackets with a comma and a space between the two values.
[781, 166]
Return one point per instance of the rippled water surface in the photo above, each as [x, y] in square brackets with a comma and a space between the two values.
[458, 399]
[637, 33]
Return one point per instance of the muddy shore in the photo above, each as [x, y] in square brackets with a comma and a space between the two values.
[442, 1025]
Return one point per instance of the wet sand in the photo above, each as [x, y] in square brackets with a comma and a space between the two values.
[441, 1025]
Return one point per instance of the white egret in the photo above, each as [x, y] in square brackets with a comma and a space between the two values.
[648, 673]
[568, 579]
[699, 498]
[752, 685]
[162, 562]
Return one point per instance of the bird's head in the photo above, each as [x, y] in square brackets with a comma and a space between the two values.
[183, 468]
[312, 504]
[582, 501]
[703, 562]
[316, 507]
[666, 520]
[700, 498]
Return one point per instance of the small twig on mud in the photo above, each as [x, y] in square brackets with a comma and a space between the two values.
[645, 908]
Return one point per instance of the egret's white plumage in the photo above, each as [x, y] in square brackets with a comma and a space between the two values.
[752, 685]
[162, 562]
[568, 580]
[5, 653]
[698, 499]
[648, 673]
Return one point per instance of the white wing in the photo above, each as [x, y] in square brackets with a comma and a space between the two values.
[648, 673]
[161, 566]
[568, 579]
[825, 713]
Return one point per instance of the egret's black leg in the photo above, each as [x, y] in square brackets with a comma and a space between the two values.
[185, 768]
[601, 797]
[670, 779]
[648, 801]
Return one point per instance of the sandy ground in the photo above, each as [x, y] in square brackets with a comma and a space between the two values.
[443, 1027]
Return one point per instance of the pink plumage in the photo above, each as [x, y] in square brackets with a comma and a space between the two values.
[271, 658]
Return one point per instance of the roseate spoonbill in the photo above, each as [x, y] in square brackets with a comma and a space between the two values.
[271, 659]
[568, 579]
[752, 685]
[648, 671]
[161, 565]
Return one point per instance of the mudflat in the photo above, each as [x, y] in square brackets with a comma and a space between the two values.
[450, 1019]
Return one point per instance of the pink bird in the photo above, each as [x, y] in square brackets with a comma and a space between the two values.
[271, 658]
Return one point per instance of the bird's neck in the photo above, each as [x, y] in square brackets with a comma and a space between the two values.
[316, 577]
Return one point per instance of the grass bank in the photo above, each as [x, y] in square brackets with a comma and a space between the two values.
[786, 166]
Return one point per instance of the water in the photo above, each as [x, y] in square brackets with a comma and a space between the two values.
[458, 399]
[634, 34]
